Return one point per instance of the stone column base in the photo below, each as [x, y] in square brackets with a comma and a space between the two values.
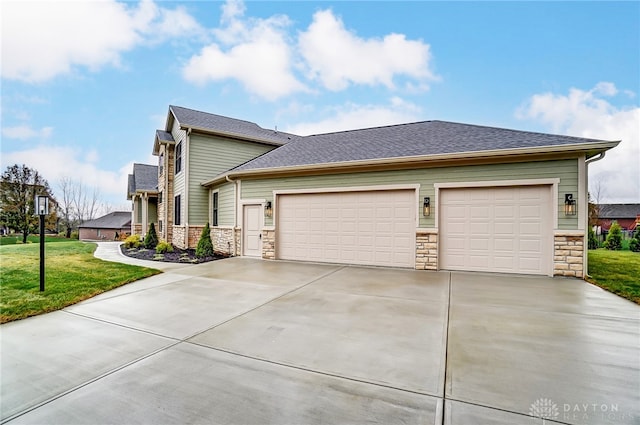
[269, 243]
[568, 254]
[427, 249]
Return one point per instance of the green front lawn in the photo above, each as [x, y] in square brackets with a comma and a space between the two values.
[617, 272]
[72, 274]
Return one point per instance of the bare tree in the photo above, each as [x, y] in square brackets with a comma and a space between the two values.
[597, 195]
[86, 202]
[77, 203]
[65, 205]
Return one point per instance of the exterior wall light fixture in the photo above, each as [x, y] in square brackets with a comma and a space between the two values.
[268, 210]
[570, 207]
[426, 207]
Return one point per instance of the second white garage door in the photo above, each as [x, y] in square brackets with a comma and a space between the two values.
[368, 228]
[501, 229]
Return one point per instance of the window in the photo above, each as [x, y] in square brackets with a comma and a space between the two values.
[176, 216]
[159, 197]
[160, 226]
[214, 209]
[161, 164]
[178, 157]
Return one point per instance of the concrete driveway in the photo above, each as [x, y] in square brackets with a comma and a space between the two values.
[244, 341]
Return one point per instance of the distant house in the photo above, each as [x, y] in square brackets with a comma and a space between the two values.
[106, 227]
[627, 216]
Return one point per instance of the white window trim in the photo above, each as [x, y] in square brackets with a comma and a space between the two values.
[211, 193]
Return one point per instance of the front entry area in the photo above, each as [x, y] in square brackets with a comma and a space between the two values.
[252, 231]
[360, 227]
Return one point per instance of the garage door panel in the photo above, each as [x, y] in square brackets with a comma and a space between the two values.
[376, 228]
[501, 229]
[503, 211]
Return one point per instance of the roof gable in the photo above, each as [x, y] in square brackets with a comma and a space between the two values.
[230, 127]
[143, 179]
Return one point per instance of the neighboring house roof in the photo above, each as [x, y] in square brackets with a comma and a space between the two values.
[143, 179]
[114, 220]
[231, 127]
[613, 211]
[426, 140]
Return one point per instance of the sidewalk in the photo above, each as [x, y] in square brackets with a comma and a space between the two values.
[110, 251]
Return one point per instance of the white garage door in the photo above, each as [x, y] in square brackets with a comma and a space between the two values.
[503, 229]
[370, 228]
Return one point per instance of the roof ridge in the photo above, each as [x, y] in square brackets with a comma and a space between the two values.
[218, 115]
[370, 128]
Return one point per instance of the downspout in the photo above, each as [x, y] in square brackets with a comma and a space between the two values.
[165, 199]
[235, 212]
[585, 260]
[186, 187]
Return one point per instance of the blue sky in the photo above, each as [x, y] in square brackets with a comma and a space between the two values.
[85, 84]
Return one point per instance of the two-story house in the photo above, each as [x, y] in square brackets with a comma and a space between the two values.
[427, 195]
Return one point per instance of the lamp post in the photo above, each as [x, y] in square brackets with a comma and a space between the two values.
[42, 208]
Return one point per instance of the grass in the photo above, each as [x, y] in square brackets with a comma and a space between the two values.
[617, 272]
[72, 274]
[13, 240]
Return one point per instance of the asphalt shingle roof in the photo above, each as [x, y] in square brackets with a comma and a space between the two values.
[218, 123]
[114, 220]
[164, 136]
[612, 211]
[405, 140]
[144, 178]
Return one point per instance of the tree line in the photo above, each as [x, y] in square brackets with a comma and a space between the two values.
[73, 205]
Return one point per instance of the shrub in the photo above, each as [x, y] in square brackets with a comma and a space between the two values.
[205, 246]
[593, 241]
[151, 240]
[132, 241]
[163, 247]
[634, 244]
[614, 238]
[75, 235]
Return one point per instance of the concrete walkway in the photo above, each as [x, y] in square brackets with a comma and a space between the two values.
[249, 341]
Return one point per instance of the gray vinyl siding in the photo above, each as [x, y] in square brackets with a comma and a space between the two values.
[565, 170]
[208, 157]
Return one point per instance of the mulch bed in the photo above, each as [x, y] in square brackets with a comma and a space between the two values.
[187, 256]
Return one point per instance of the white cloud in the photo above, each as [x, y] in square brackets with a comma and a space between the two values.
[55, 162]
[352, 116]
[255, 52]
[45, 39]
[586, 113]
[24, 132]
[338, 57]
